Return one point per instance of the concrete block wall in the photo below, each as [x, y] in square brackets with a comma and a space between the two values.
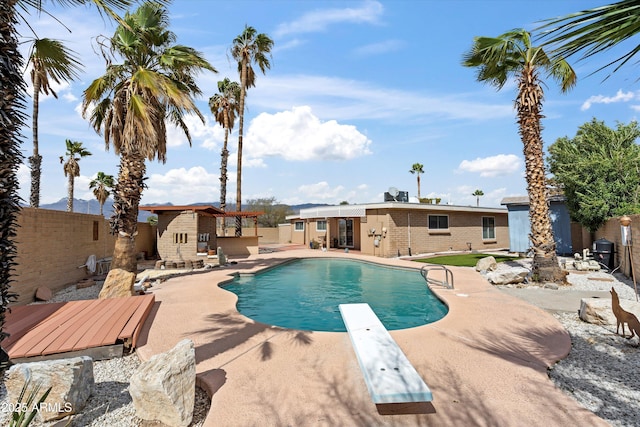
[52, 244]
[171, 224]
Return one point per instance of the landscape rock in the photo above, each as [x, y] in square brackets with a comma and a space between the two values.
[486, 264]
[163, 388]
[71, 382]
[504, 277]
[43, 293]
[85, 283]
[119, 283]
[597, 311]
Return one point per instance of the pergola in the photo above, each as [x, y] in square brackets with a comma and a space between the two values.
[241, 214]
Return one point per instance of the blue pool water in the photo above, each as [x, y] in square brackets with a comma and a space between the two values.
[305, 294]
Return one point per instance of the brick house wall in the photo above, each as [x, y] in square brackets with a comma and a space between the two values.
[52, 244]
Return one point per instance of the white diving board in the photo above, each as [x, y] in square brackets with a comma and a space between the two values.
[389, 375]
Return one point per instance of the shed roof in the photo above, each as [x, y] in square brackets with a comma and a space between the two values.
[208, 209]
[524, 200]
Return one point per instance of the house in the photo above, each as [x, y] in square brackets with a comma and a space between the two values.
[189, 232]
[392, 229]
[569, 237]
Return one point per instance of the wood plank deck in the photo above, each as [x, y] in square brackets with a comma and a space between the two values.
[42, 330]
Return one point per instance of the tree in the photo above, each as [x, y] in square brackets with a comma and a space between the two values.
[12, 118]
[512, 55]
[248, 48]
[50, 60]
[598, 170]
[101, 185]
[274, 213]
[478, 194]
[593, 31]
[75, 152]
[155, 82]
[417, 170]
[224, 106]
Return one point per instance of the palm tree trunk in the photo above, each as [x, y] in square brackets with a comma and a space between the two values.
[243, 92]
[418, 186]
[545, 267]
[35, 161]
[70, 193]
[124, 222]
[223, 167]
[12, 102]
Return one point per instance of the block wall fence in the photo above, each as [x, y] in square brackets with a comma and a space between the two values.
[51, 245]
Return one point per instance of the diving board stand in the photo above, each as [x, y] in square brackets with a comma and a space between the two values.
[389, 375]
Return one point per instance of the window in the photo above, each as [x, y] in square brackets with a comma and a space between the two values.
[438, 222]
[488, 227]
[321, 225]
[179, 238]
[298, 226]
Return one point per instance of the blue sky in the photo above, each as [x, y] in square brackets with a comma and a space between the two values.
[357, 92]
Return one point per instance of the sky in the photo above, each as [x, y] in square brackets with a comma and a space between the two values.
[357, 92]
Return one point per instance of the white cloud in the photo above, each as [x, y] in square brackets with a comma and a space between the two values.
[299, 135]
[320, 20]
[182, 187]
[209, 134]
[502, 164]
[320, 192]
[379, 48]
[620, 96]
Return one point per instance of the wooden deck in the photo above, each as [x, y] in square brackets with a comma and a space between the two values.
[77, 327]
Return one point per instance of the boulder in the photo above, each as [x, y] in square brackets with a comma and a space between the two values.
[71, 381]
[119, 283]
[43, 293]
[486, 264]
[597, 311]
[163, 388]
[505, 277]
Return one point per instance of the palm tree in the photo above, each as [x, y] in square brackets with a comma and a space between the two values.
[101, 185]
[224, 106]
[511, 55]
[155, 82]
[593, 31]
[12, 105]
[75, 152]
[247, 48]
[478, 193]
[417, 170]
[50, 60]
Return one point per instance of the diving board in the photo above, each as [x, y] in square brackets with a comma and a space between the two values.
[389, 375]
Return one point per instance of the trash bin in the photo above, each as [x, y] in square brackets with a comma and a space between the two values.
[603, 252]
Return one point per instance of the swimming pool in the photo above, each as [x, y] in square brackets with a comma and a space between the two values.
[305, 294]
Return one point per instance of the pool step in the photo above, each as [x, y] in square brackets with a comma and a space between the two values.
[389, 375]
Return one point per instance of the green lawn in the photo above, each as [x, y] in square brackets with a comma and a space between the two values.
[463, 260]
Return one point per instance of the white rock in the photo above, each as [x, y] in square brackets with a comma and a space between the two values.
[71, 381]
[486, 264]
[503, 277]
[164, 387]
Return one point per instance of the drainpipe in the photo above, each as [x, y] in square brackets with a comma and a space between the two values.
[409, 230]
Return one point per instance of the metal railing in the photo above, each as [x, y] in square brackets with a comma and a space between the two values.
[448, 275]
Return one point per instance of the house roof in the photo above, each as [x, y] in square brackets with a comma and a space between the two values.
[211, 210]
[361, 210]
[205, 209]
[524, 200]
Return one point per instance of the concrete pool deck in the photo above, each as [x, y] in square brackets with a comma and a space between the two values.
[485, 362]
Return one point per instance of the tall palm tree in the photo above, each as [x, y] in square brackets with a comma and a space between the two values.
[593, 31]
[512, 55]
[248, 48]
[417, 169]
[224, 106]
[12, 105]
[478, 193]
[155, 82]
[75, 152]
[101, 185]
[50, 60]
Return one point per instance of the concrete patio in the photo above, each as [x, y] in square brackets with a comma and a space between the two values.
[485, 362]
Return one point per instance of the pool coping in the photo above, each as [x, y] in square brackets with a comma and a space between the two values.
[486, 361]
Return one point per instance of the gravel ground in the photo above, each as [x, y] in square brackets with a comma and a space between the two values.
[602, 371]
